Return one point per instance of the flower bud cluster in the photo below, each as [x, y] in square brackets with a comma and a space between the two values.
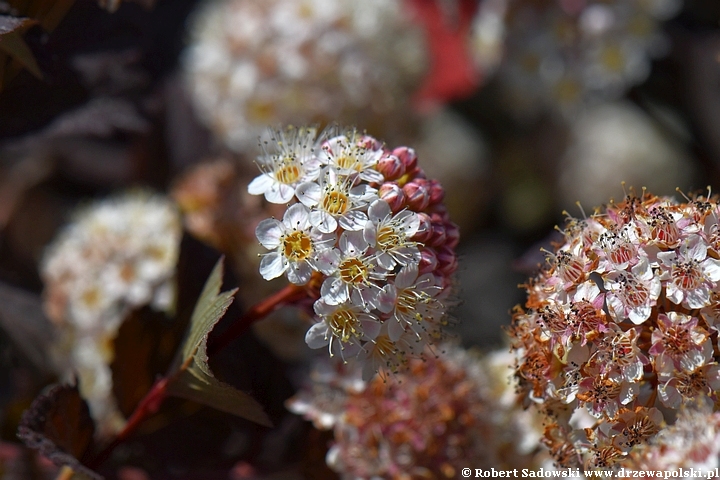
[251, 63]
[372, 228]
[116, 255]
[447, 412]
[620, 328]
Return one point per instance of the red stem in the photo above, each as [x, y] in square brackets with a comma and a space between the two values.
[152, 401]
[148, 406]
[289, 294]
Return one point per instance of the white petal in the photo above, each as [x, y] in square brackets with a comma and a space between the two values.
[639, 314]
[334, 291]
[353, 220]
[378, 210]
[711, 267]
[370, 233]
[385, 300]
[279, 193]
[353, 243]
[395, 330]
[386, 261]
[669, 395]
[409, 221]
[309, 193]
[272, 265]
[406, 277]
[372, 176]
[323, 221]
[371, 328]
[317, 336]
[299, 273]
[260, 184]
[327, 261]
[268, 233]
[297, 216]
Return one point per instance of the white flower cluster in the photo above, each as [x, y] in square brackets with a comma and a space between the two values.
[257, 62]
[562, 55]
[116, 255]
[375, 302]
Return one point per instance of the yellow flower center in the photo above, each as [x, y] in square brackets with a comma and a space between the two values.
[297, 246]
[345, 324]
[288, 172]
[387, 238]
[353, 271]
[335, 203]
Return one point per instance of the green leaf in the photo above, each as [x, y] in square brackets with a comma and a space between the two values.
[191, 377]
[12, 42]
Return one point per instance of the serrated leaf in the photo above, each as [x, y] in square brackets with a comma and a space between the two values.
[59, 426]
[191, 375]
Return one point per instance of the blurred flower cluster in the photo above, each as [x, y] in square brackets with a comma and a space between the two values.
[116, 255]
[620, 326]
[449, 410]
[258, 62]
[371, 228]
[563, 55]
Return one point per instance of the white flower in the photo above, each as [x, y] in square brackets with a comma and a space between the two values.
[411, 302]
[350, 272]
[296, 245]
[290, 162]
[632, 295]
[334, 201]
[389, 235]
[342, 327]
[691, 272]
[351, 156]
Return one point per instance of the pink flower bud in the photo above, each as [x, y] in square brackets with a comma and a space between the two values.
[452, 235]
[437, 194]
[391, 167]
[418, 195]
[370, 143]
[428, 260]
[407, 156]
[393, 195]
[447, 261]
[438, 235]
[425, 231]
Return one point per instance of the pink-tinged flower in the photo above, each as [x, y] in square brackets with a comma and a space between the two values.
[571, 267]
[389, 234]
[351, 273]
[296, 245]
[617, 250]
[351, 156]
[619, 351]
[604, 394]
[334, 201]
[411, 303]
[287, 161]
[342, 328]
[635, 427]
[663, 225]
[692, 274]
[632, 294]
[681, 386]
[679, 342]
